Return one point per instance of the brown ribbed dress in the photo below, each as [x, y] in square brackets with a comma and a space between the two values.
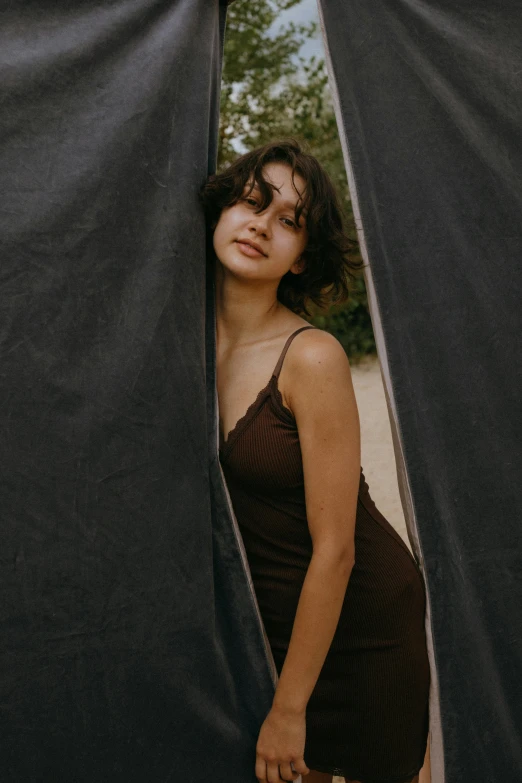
[367, 718]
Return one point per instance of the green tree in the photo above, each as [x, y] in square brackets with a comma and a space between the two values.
[256, 66]
[269, 92]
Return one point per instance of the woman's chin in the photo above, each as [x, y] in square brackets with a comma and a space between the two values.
[241, 270]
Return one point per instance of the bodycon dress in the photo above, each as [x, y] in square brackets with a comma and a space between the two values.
[367, 718]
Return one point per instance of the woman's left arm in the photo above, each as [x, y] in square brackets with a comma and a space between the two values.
[320, 394]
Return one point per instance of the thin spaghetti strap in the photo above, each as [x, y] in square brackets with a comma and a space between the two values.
[279, 364]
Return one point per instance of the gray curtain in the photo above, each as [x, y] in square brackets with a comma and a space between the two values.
[429, 109]
[131, 645]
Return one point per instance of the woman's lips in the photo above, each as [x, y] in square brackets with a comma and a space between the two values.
[248, 250]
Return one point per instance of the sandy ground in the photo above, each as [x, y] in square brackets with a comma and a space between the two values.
[377, 456]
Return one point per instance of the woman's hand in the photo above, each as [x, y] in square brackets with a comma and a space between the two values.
[281, 742]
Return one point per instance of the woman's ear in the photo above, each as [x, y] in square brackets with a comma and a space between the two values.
[298, 266]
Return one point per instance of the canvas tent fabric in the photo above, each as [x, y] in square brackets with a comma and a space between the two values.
[131, 648]
[131, 644]
[429, 110]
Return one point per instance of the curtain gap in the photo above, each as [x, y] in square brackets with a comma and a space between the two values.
[435, 731]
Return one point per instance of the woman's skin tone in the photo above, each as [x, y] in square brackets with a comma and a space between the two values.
[316, 386]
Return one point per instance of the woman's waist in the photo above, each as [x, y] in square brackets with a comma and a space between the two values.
[278, 594]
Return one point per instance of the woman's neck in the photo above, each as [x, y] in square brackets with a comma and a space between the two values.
[245, 311]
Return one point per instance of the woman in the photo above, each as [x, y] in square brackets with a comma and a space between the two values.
[341, 598]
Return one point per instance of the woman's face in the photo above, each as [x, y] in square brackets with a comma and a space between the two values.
[263, 246]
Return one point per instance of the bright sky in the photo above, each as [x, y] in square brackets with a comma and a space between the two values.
[306, 11]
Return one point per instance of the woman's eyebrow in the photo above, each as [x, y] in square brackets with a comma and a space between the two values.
[293, 207]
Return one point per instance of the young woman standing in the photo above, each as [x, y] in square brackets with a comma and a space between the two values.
[341, 598]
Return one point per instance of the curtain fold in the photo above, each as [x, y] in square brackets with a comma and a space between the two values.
[131, 646]
[429, 111]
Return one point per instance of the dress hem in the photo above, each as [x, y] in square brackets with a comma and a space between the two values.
[349, 775]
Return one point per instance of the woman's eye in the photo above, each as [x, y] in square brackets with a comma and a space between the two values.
[289, 222]
[251, 201]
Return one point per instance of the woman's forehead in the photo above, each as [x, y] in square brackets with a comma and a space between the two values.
[279, 176]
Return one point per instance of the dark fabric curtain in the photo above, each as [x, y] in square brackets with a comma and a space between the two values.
[131, 648]
[430, 112]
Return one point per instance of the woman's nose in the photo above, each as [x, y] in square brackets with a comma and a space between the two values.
[259, 223]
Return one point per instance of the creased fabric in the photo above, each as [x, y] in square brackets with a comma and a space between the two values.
[430, 112]
[130, 645]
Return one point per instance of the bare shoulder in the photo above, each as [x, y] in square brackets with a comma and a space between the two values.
[315, 352]
[316, 361]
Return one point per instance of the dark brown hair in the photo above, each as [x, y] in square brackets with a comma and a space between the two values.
[329, 267]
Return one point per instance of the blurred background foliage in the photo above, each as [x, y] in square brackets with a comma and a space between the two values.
[270, 92]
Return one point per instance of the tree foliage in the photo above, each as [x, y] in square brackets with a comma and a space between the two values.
[268, 92]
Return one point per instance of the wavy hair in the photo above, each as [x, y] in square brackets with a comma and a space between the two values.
[329, 265]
